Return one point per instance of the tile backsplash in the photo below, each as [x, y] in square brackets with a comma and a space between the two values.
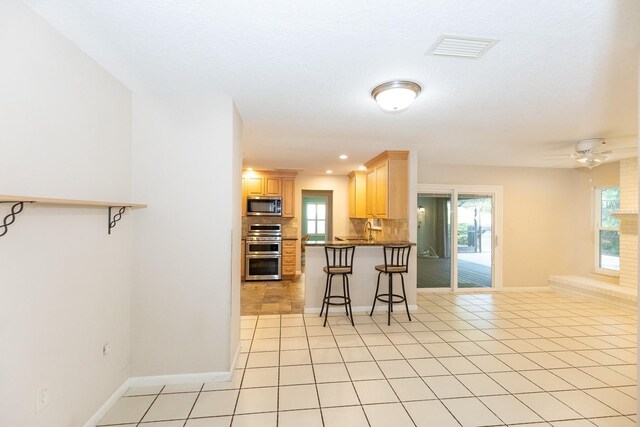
[392, 229]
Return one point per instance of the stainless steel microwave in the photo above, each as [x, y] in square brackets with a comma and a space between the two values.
[264, 206]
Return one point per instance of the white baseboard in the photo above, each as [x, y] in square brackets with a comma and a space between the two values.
[234, 363]
[472, 290]
[526, 289]
[201, 377]
[102, 411]
[380, 307]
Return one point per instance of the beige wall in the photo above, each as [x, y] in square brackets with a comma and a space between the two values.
[65, 131]
[548, 216]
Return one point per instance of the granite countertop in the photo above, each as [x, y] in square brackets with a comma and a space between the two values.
[360, 242]
[283, 238]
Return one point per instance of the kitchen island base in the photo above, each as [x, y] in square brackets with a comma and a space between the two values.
[362, 282]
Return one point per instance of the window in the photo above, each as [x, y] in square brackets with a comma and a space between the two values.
[607, 201]
[316, 218]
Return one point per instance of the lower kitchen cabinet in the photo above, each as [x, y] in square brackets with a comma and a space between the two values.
[288, 257]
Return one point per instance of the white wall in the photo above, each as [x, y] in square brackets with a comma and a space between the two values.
[236, 216]
[186, 167]
[65, 131]
[547, 216]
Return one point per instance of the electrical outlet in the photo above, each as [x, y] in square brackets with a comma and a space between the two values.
[106, 349]
[42, 398]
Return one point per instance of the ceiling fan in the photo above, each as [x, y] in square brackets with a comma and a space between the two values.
[591, 152]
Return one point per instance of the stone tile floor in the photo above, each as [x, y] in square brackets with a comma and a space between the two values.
[272, 297]
[481, 359]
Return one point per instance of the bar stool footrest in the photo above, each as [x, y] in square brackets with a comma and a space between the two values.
[344, 299]
[399, 299]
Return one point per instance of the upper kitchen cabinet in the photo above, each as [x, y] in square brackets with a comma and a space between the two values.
[267, 183]
[254, 186]
[288, 197]
[387, 185]
[272, 186]
[357, 194]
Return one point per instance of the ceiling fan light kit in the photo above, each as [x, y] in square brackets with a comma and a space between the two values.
[396, 95]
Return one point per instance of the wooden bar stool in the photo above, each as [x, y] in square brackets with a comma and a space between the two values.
[396, 261]
[339, 262]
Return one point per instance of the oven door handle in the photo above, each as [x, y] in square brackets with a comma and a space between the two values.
[263, 256]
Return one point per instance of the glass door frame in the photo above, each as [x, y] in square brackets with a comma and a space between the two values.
[496, 215]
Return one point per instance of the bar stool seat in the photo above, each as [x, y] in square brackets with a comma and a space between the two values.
[337, 270]
[391, 269]
[339, 263]
[396, 261]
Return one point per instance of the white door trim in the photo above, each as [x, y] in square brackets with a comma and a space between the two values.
[454, 189]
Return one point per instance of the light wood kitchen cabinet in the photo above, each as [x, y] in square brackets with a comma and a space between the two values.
[382, 190]
[243, 199]
[357, 195]
[288, 197]
[268, 183]
[288, 257]
[254, 185]
[371, 193]
[387, 185]
[272, 186]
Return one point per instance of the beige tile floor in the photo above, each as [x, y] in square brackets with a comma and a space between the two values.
[483, 359]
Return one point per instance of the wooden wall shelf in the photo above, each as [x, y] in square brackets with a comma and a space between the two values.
[19, 201]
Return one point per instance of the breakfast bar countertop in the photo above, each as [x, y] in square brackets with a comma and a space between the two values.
[357, 242]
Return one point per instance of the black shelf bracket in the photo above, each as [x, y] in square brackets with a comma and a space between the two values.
[11, 216]
[115, 218]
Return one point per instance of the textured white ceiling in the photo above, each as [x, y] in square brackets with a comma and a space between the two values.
[301, 72]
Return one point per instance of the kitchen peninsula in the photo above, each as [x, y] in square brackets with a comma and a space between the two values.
[362, 283]
[381, 196]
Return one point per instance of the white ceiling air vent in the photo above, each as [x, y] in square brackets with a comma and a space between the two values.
[461, 47]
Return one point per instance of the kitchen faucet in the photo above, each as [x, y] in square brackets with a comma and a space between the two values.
[368, 226]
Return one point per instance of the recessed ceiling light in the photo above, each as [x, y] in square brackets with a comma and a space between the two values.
[395, 96]
[343, 157]
[362, 168]
[329, 171]
[249, 169]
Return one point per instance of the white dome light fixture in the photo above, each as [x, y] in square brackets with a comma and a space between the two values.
[396, 95]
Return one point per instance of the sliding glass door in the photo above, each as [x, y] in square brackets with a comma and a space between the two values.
[457, 239]
[475, 241]
[434, 240]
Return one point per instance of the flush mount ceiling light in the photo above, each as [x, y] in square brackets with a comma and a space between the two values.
[396, 95]
[343, 157]
[329, 171]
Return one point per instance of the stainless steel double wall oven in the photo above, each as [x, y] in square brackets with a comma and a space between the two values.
[263, 254]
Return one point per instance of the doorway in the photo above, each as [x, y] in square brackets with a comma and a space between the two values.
[316, 215]
[457, 238]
